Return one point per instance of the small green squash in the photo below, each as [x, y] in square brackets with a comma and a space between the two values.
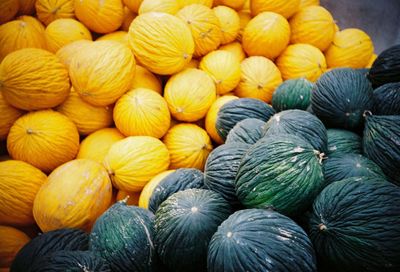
[343, 141]
[386, 68]
[292, 94]
[387, 99]
[247, 131]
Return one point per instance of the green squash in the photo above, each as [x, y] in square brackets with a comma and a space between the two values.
[386, 68]
[256, 240]
[292, 94]
[184, 225]
[342, 141]
[247, 131]
[283, 172]
[387, 99]
[355, 226]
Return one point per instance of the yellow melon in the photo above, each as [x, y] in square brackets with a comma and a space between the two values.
[245, 18]
[259, 78]
[128, 18]
[246, 6]
[49, 10]
[131, 198]
[235, 48]
[135, 160]
[11, 241]
[266, 35]
[26, 7]
[371, 60]
[68, 52]
[145, 79]
[235, 4]
[8, 9]
[118, 36]
[33, 79]
[165, 6]
[301, 60]
[133, 5]
[184, 3]
[194, 63]
[224, 69]
[189, 94]
[8, 115]
[148, 190]
[286, 8]
[307, 3]
[230, 23]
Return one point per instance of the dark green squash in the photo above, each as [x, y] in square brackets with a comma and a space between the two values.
[340, 98]
[292, 94]
[247, 131]
[387, 99]
[282, 171]
[256, 240]
[184, 225]
[386, 68]
[355, 226]
[123, 236]
[343, 141]
[239, 109]
[300, 123]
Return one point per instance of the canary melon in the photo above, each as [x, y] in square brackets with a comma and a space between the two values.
[284, 7]
[235, 48]
[8, 9]
[307, 3]
[11, 240]
[8, 115]
[245, 17]
[184, 3]
[69, 51]
[230, 23]
[145, 79]
[164, 6]
[128, 18]
[132, 5]
[49, 10]
[118, 36]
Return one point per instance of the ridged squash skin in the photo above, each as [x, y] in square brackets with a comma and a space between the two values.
[50, 10]
[33, 79]
[267, 35]
[342, 141]
[133, 5]
[11, 240]
[162, 43]
[135, 160]
[286, 8]
[8, 115]
[100, 16]
[247, 131]
[293, 94]
[386, 68]
[235, 48]
[19, 183]
[86, 194]
[148, 189]
[246, 235]
[101, 73]
[145, 79]
[387, 99]
[230, 23]
[68, 51]
[8, 9]
[164, 6]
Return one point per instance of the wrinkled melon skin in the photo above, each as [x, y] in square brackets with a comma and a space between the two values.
[282, 172]
[343, 141]
[184, 225]
[256, 240]
[293, 94]
[247, 131]
[387, 99]
[386, 68]
[355, 227]
[123, 236]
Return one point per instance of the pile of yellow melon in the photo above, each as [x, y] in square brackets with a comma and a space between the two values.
[99, 97]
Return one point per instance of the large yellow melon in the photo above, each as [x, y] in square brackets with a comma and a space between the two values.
[184, 3]
[26, 7]
[33, 79]
[133, 5]
[162, 43]
[74, 196]
[148, 190]
[102, 72]
[19, 183]
[301, 60]
[68, 52]
[118, 36]
[165, 6]
[103, 16]
[235, 4]
[11, 241]
[8, 9]
[245, 18]
[285, 8]
[131, 198]
[189, 146]
[45, 139]
[145, 79]
[8, 115]
[230, 23]
[133, 161]
[189, 94]
[266, 35]
[142, 112]
[235, 48]
[350, 48]
[224, 69]
[259, 78]
[49, 10]
[128, 18]
[371, 60]
[307, 3]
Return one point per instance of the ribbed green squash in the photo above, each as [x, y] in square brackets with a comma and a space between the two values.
[386, 68]
[387, 99]
[247, 131]
[221, 169]
[300, 123]
[342, 166]
[343, 141]
[292, 94]
[340, 98]
[47, 243]
[184, 225]
[283, 172]
[239, 109]
[257, 240]
[355, 226]
[381, 143]
[123, 236]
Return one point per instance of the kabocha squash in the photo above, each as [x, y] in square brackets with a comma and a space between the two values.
[50, 10]
[133, 5]
[102, 72]
[274, 168]
[237, 110]
[235, 48]
[344, 213]
[162, 42]
[19, 183]
[190, 94]
[224, 68]
[182, 221]
[247, 131]
[100, 16]
[164, 6]
[69, 51]
[46, 139]
[260, 240]
[133, 198]
[259, 78]
[387, 99]
[284, 7]
[386, 68]
[342, 141]
[33, 79]
[340, 98]
[8, 115]
[235, 4]
[301, 60]
[230, 23]
[8, 9]
[167, 183]
[123, 236]
[307, 3]
[293, 94]
[11, 240]
[188, 145]
[267, 34]
[145, 79]
[128, 18]
[135, 160]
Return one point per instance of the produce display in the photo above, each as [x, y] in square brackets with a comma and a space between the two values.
[196, 135]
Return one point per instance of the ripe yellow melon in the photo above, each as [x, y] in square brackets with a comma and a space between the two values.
[245, 18]
[131, 198]
[11, 241]
[133, 5]
[74, 196]
[235, 48]
[68, 52]
[26, 7]
[145, 79]
[371, 60]
[286, 8]
[33, 79]
[165, 6]
[8, 9]
[128, 18]
[307, 3]
[8, 115]
[45, 139]
[135, 160]
[184, 3]
[49, 10]
[266, 35]
[235, 4]
[189, 94]
[149, 188]
[230, 23]
[194, 63]
[259, 78]
[117, 36]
